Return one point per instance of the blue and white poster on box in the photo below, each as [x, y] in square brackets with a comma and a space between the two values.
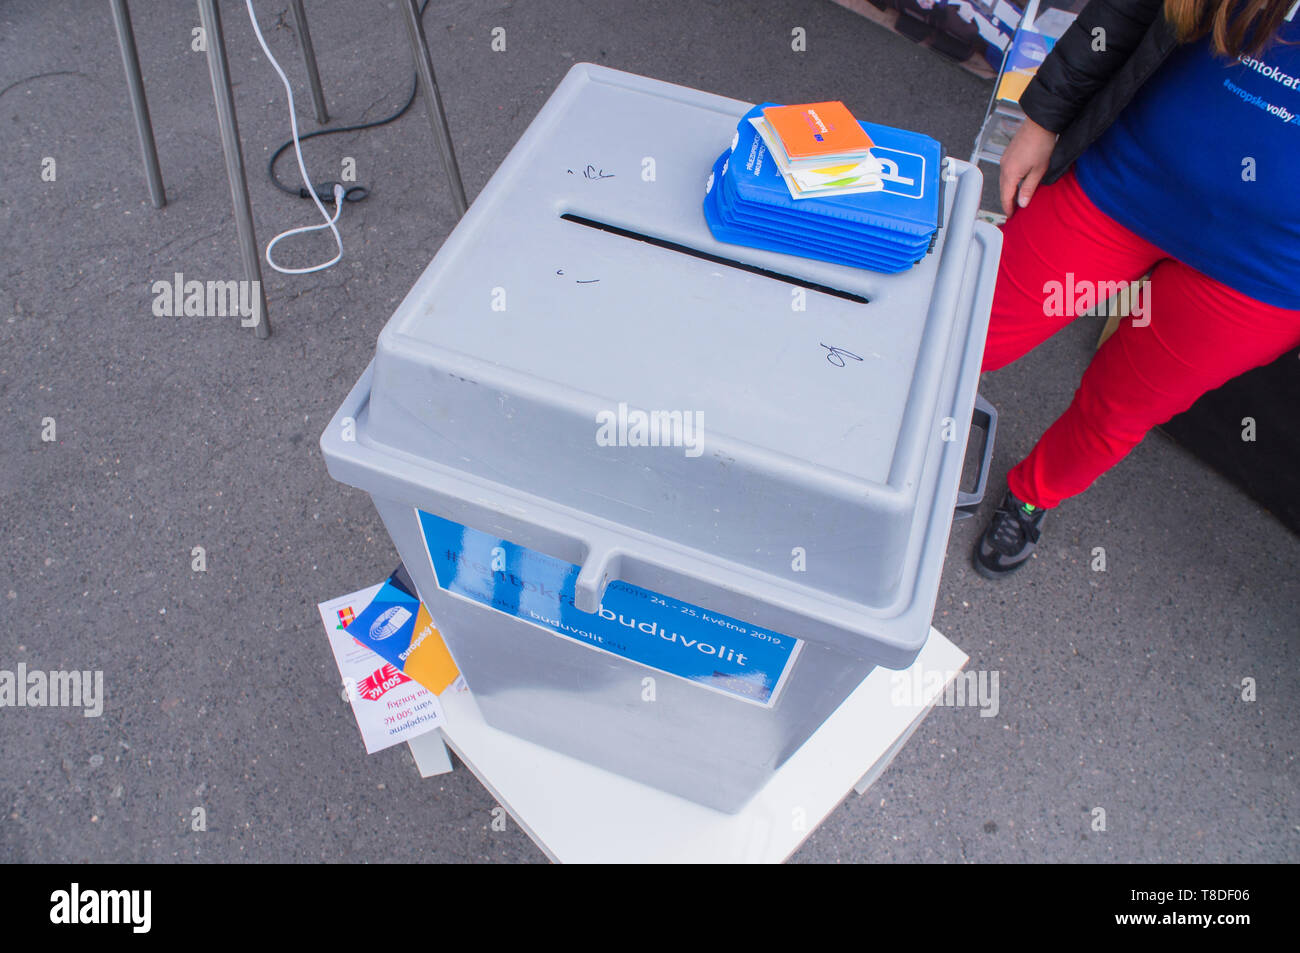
[703, 647]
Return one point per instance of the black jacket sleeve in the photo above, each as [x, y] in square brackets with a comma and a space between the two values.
[1074, 72]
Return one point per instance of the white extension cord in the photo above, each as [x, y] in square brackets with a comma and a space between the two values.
[302, 169]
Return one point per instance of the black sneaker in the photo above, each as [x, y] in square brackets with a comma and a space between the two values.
[1009, 539]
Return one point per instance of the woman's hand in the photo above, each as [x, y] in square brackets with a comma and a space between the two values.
[1024, 163]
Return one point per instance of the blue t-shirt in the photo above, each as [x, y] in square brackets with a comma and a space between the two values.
[1204, 162]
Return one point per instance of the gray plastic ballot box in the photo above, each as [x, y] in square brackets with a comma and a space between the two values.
[669, 501]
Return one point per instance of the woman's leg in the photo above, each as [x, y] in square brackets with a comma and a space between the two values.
[1201, 334]
[1061, 238]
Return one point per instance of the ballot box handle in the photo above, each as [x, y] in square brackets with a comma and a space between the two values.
[985, 417]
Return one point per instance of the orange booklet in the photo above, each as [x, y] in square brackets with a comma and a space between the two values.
[813, 130]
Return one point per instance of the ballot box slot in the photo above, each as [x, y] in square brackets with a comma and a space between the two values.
[715, 259]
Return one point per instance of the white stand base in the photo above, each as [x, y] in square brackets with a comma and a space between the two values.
[579, 813]
[430, 754]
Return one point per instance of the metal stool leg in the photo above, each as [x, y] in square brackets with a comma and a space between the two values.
[210, 19]
[433, 103]
[139, 105]
[309, 54]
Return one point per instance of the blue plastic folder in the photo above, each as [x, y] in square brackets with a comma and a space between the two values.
[828, 229]
[846, 242]
[748, 203]
[743, 215]
[727, 230]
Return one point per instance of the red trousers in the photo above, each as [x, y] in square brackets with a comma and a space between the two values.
[1195, 334]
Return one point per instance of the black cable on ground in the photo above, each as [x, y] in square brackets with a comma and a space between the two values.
[325, 191]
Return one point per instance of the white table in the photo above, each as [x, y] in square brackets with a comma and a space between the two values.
[579, 813]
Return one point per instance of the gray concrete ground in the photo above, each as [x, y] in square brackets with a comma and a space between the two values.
[1119, 689]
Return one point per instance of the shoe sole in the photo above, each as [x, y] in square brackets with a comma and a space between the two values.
[994, 574]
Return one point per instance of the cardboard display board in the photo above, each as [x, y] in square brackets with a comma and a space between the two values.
[972, 33]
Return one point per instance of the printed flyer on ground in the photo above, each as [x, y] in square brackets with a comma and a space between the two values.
[391, 702]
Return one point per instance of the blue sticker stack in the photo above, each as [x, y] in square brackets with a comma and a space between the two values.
[748, 203]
